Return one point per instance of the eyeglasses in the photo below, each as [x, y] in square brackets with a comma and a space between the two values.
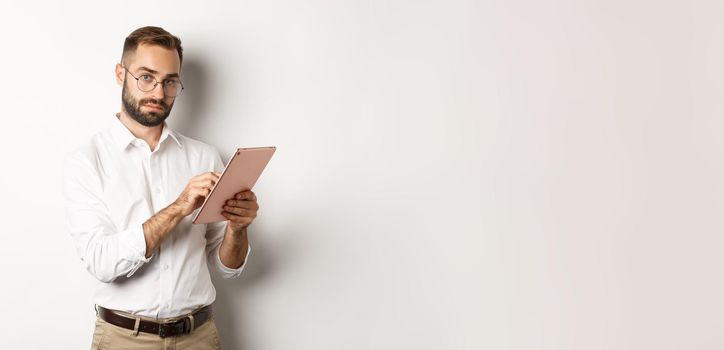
[147, 82]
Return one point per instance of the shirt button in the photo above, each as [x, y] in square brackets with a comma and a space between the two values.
[158, 189]
[165, 267]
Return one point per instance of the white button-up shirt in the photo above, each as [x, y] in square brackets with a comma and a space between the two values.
[111, 186]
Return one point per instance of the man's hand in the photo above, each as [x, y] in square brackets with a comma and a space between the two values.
[241, 210]
[196, 191]
[159, 226]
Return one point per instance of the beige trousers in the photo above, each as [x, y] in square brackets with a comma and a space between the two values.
[109, 337]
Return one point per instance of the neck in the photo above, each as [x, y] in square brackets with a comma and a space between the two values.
[150, 134]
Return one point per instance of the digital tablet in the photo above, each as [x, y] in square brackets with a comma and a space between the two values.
[240, 174]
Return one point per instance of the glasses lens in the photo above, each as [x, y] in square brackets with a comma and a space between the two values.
[146, 83]
[171, 87]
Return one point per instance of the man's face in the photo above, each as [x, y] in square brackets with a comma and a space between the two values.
[153, 107]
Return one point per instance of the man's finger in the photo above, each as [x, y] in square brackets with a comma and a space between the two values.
[236, 218]
[210, 175]
[242, 204]
[204, 184]
[238, 211]
[246, 195]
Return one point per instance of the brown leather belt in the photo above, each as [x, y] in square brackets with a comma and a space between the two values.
[184, 325]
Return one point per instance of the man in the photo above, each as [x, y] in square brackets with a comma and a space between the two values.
[130, 194]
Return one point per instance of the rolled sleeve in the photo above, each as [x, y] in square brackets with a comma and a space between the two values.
[225, 271]
[214, 238]
[135, 240]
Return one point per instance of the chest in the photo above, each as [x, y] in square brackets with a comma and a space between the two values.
[138, 185]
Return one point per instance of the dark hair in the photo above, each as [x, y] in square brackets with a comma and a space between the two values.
[151, 36]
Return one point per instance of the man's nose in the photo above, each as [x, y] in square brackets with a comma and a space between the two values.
[158, 92]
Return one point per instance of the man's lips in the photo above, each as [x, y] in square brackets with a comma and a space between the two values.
[154, 106]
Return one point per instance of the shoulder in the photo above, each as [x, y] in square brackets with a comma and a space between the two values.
[84, 165]
[90, 153]
[200, 152]
[197, 147]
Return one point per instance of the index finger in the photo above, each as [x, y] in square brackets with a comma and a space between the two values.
[212, 174]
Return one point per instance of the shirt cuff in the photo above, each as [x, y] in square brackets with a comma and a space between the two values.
[227, 272]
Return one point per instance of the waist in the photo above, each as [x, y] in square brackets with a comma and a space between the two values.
[183, 324]
[142, 295]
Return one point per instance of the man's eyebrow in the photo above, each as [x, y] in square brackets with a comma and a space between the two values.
[148, 70]
[171, 75]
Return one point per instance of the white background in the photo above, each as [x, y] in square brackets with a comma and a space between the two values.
[449, 174]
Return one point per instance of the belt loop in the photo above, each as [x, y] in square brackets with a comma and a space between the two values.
[136, 326]
[96, 307]
[191, 318]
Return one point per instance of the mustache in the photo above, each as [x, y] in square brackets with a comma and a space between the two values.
[153, 101]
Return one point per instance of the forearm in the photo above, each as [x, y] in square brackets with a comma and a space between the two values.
[234, 248]
[158, 227]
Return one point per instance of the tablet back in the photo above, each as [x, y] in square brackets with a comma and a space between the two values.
[241, 173]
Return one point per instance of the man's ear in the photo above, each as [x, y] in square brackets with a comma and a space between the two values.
[120, 74]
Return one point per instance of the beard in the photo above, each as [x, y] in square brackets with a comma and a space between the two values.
[150, 119]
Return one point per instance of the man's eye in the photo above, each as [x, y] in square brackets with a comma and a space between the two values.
[146, 77]
[170, 83]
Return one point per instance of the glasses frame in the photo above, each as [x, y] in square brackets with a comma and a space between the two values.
[163, 87]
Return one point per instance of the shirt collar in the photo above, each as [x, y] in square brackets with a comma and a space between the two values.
[123, 137]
